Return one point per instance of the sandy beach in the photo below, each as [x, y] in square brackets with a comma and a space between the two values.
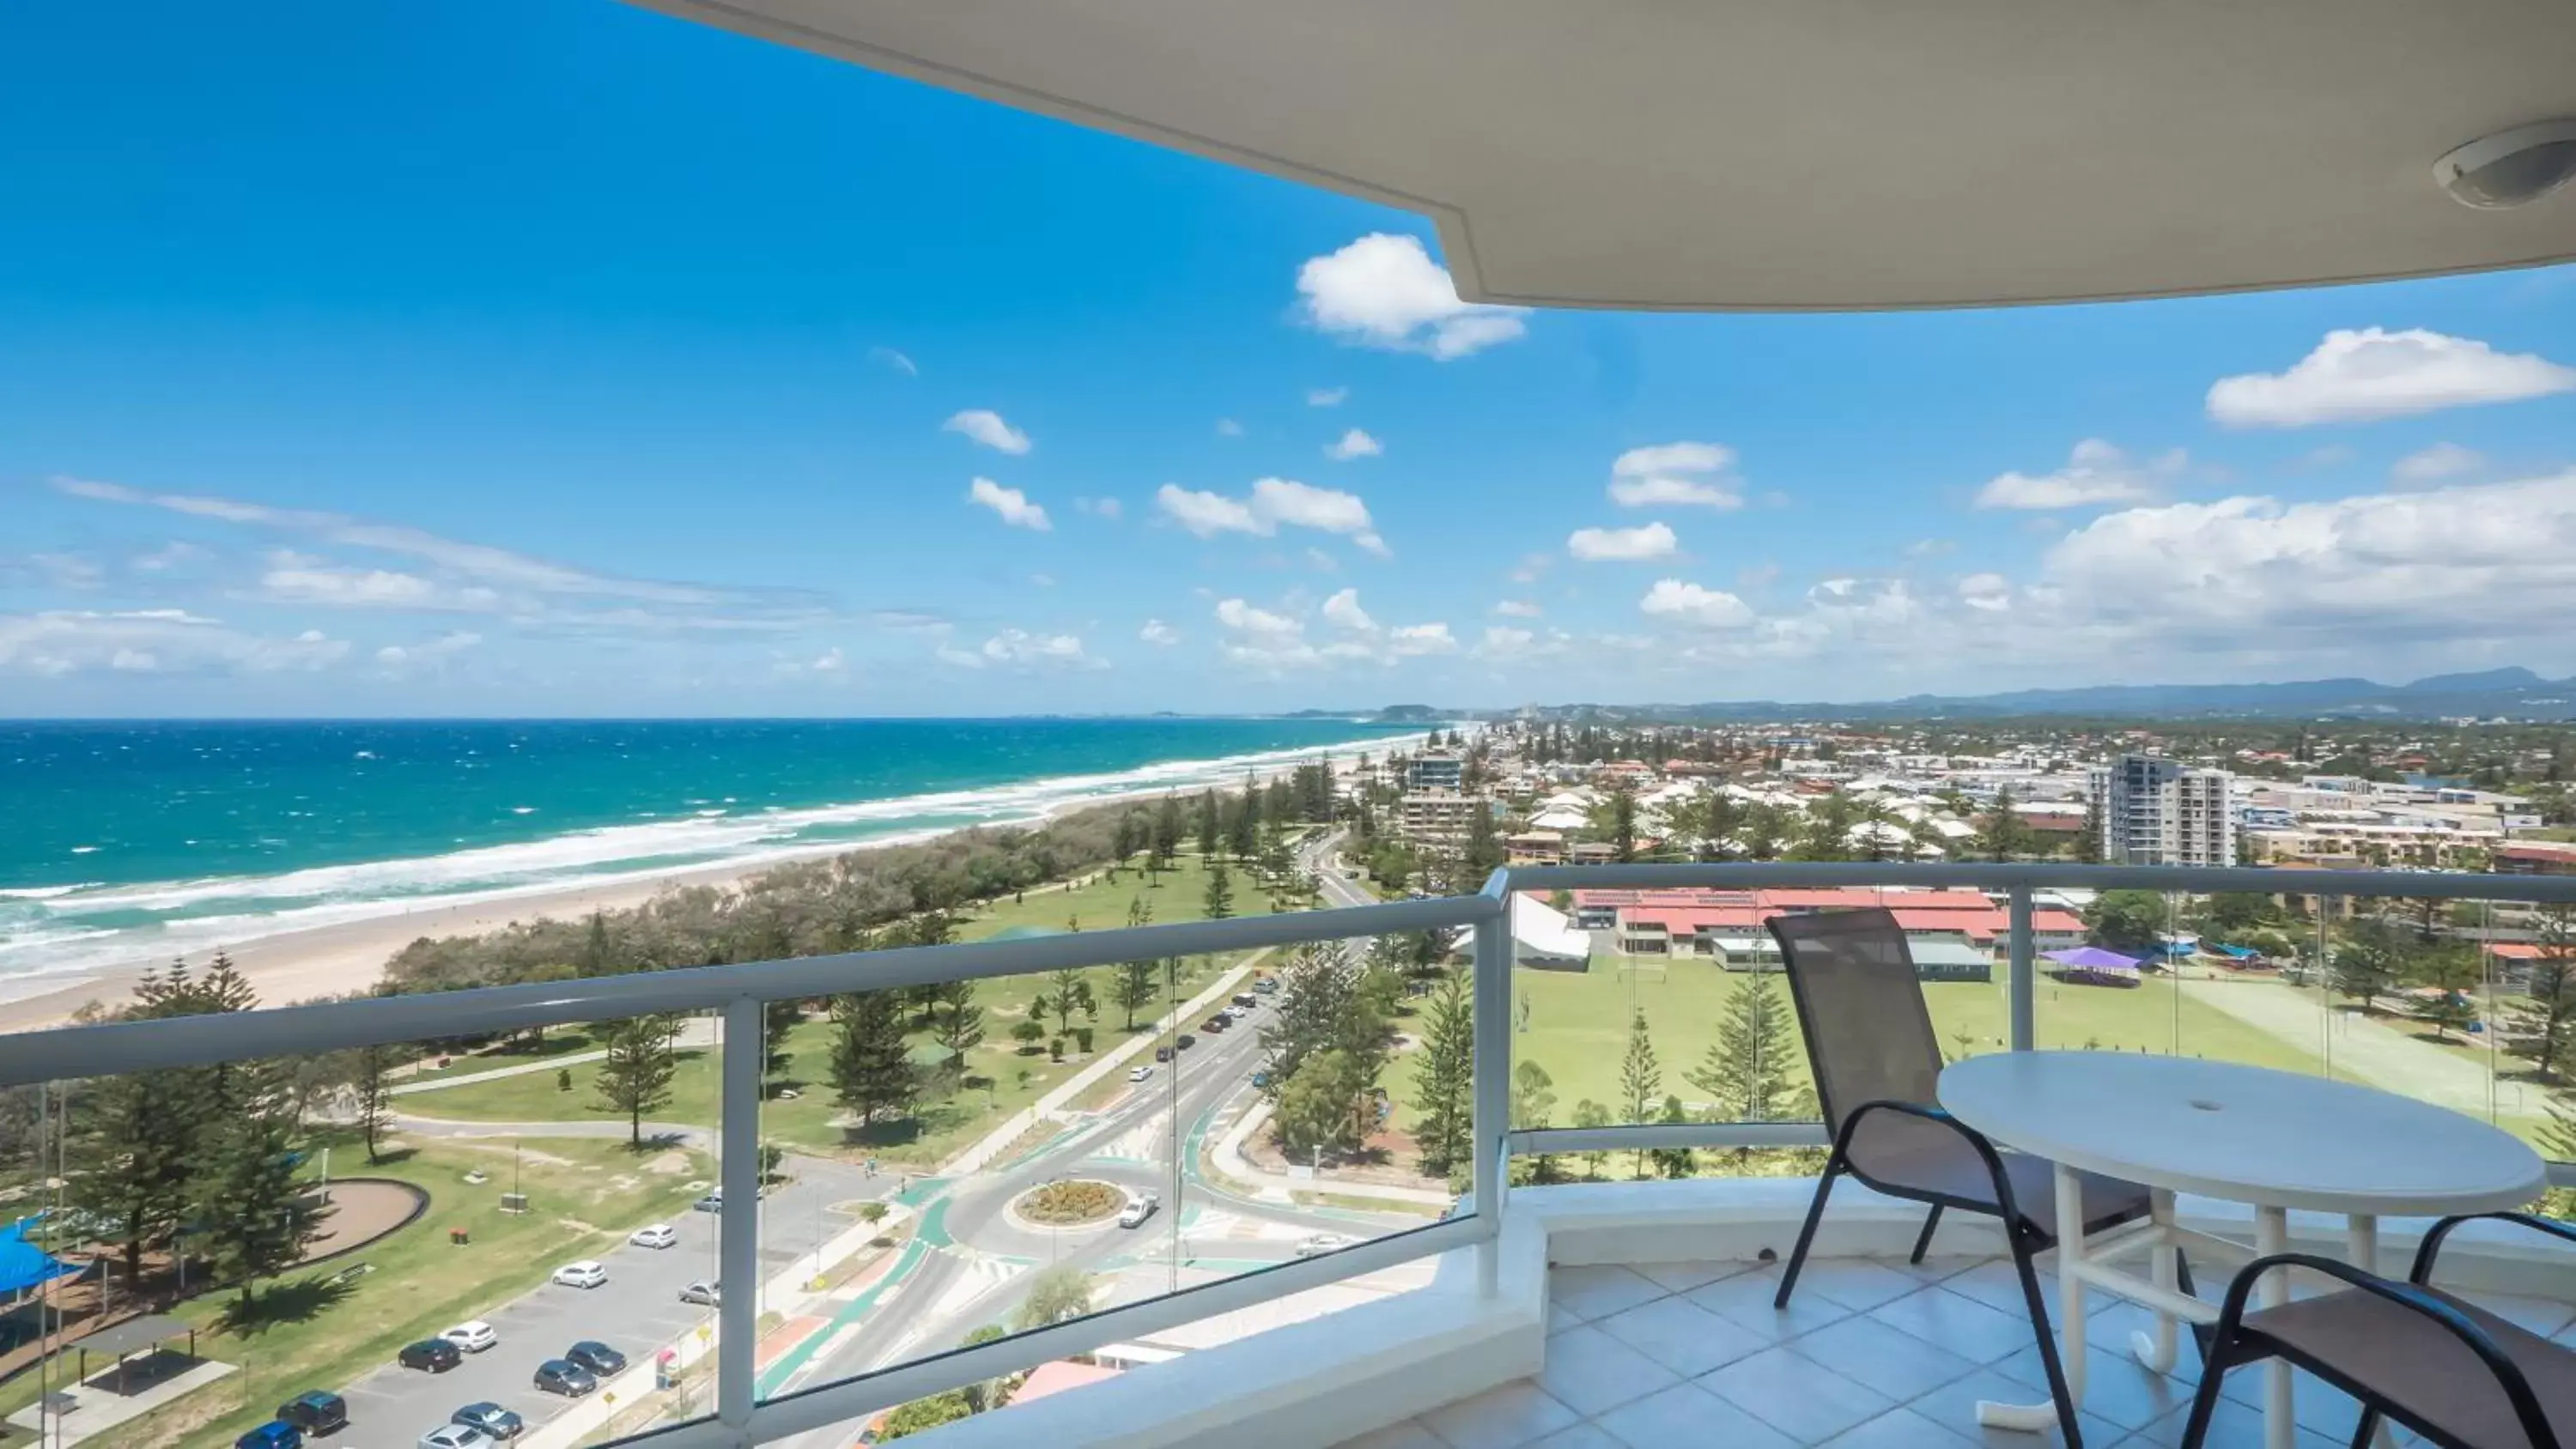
[286, 967]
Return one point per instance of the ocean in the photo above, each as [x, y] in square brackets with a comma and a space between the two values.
[122, 841]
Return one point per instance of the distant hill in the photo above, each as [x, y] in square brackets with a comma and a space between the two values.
[2512, 693]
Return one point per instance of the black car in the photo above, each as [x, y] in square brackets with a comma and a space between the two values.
[491, 1418]
[315, 1412]
[596, 1356]
[571, 1380]
[434, 1354]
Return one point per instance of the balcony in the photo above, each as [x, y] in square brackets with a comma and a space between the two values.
[1255, 1301]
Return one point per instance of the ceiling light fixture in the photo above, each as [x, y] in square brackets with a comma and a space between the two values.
[2511, 168]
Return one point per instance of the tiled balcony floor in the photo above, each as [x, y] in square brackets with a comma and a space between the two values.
[1871, 1354]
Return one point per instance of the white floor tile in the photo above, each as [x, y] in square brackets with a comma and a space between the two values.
[1589, 1371]
[1957, 1323]
[1795, 1395]
[1598, 1290]
[1687, 1416]
[1876, 1356]
[1682, 1336]
[1504, 1417]
[1407, 1435]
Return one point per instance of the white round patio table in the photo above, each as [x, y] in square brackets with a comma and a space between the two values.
[2276, 1140]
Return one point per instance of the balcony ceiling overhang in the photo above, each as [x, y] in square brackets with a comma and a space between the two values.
[1795, 154]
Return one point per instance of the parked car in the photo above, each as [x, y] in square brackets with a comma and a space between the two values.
[491, 1418]
[712, 1203]
[1162, 1054]
[556, 1376]
[1140, 1074]
[1322, 1243]
[1186, 1041]
[1246, 1000]
[1214, 1024]
[588, 1273]
[659, 1235]
[704, 1292]
[1140, 1206]
[316, 1412]
[1266, 985]
[436, 1355]
[473, 1337]
[596, 1356]
[455, 1436]
[275, 1434]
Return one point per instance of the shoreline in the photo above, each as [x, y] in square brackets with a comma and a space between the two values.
[296, 965]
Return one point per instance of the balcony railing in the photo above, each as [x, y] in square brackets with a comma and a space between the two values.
[740, 992]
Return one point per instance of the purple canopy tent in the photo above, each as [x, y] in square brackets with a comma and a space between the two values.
[2092, 963]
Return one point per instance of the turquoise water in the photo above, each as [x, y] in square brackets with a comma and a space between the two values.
[120, 840]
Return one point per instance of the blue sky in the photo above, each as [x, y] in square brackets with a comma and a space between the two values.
[562, 358]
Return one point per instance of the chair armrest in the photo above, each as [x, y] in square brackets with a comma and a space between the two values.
[2431, 1248]
[2413, 1298]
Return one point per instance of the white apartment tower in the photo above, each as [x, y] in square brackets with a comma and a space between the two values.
[2157, 811]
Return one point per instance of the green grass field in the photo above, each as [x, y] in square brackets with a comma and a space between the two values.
[585, 1194]
[1575, 1023]
[1016, 1076]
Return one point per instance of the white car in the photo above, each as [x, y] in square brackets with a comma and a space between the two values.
[1141, 1073]
[659, 1235]
[1321, 1244]
[585, 1274]
[472, 1337]
[1140, 1206]
[455, 1436]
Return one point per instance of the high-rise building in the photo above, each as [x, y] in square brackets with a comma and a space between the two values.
[1436, 772]
[2157, 811]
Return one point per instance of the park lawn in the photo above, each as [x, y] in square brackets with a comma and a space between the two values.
[587, 1195]
[1010, 1077]
[1574, 1024]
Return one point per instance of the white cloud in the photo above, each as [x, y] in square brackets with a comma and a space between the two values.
[2095, 472]
[293, 578]
[400, 659]
[888, 357]
[2433, 464]
[1326, 397]
[1677, 475]
[1929, 547]
[2357, 375]
[1530, 567]
[1691, 604]
[985, 426]
[1263, 640]
[1009, 504]
[1353, 444]
[2379, 571]
[1384, 291]
[1406, 641]
[1057, 651]
[1109, 508]
[1502, 641]
[175, 554]
[1991, 592]
[64, 642]
[1208, 514]
[1622, 545]
[950, 654]
[1228, 428]
[1518, 609]
[831, 661]
[1369, 542]
[1343, 610]
[1159, 634]
[1274, 502]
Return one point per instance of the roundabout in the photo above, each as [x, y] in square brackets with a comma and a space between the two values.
[1073, 1203]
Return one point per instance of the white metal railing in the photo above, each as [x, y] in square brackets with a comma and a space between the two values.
[741, 991]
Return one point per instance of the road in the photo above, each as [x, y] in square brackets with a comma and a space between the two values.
[978, 1262]
[635, 1312]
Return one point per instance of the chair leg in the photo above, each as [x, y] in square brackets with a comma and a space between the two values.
[2204, 1400]
[1807, 1232]
[2369, 1425]
[2022, 1253]
[1923, 1244]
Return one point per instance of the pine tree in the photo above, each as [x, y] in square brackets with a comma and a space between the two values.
[635, 1076]
[1587, 1114]
[1533, 1102]
[870, 1073]
[1136, 982]
[777, 1019]
[1244, 829]
[146, 1130]
[251, 1216]
[2545, 1015]
[1445, 1080]
[1207, 826]
[1623, 824]
[597, 957]
[373, 1095]
[959, 1023]
[1641, 1077]
[2088, 841]
[1750, 1071]
[1218, 902]
[1072, 989]
[1167, 832]
[1484, 851]
[1674, 1162]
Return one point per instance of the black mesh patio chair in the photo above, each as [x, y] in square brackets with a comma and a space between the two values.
[1877, 1066]
[2456, 1374]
